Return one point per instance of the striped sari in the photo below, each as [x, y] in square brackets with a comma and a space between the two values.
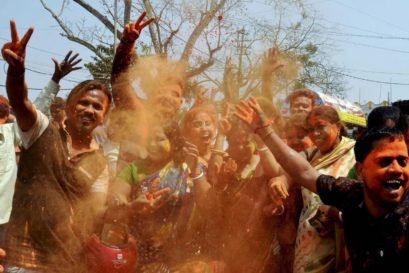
[315, 250]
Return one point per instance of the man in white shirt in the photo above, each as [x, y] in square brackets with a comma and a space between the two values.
[8, 167]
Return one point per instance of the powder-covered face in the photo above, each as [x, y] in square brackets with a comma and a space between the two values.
[202, 130]
[324, 135]
[297, 138]
[385, 172]
[87, 111]
[158, 145]
[240, 145]
[301, 104]
[167, 101]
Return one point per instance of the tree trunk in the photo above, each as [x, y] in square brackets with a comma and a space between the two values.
[127, 11]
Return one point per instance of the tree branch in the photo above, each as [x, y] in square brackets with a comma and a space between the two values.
[210, 61]
[203, 23]
[69, 34]
[251, 88]
[154, 33]
[127, 11]
[170, 38]
[103, 19]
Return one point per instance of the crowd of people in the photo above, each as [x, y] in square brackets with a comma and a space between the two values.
[104, 181]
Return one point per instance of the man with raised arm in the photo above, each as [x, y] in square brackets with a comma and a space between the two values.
[62, 176]
[375, 210]
[164, 90]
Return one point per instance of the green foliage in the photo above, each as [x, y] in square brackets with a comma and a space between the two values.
[101, 66]
[318, 75]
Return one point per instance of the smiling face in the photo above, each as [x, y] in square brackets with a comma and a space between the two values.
[201, 131]
[87, 111]
[385, 173]
[324, 134]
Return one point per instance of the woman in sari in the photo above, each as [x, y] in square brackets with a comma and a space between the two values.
[319, 243]
[199, 128]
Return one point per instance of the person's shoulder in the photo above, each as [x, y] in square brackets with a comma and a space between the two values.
[343, 183]
[403, 207]
[7, 126]
[340, 192]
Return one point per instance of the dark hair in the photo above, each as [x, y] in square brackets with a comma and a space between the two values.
[58, 102]
[237, 125]
[403, 105]
[329, 114]
[403, 124]
[380, 115]
[4, 107]
[85, 86]
[191, 114]
[304, 92]
[365, 144]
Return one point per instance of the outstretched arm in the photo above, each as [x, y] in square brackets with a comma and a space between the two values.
[270, 65]
[47, 95]
[270, 165]
[293, 163]
[14, 54]
[122, 92]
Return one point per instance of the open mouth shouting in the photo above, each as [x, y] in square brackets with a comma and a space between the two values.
[206, 138]
[393, 185]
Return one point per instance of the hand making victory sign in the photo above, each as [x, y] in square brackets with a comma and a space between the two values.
[133, 30]
[14, 52]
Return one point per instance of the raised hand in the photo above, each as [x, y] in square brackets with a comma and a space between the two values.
[133, 30]
[200, 96]
[14, 52]
[224, 123]
[278, 189]
[270, 62]
[250, 112]
[66, 66]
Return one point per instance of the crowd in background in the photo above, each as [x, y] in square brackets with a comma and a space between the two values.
[104, 181]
